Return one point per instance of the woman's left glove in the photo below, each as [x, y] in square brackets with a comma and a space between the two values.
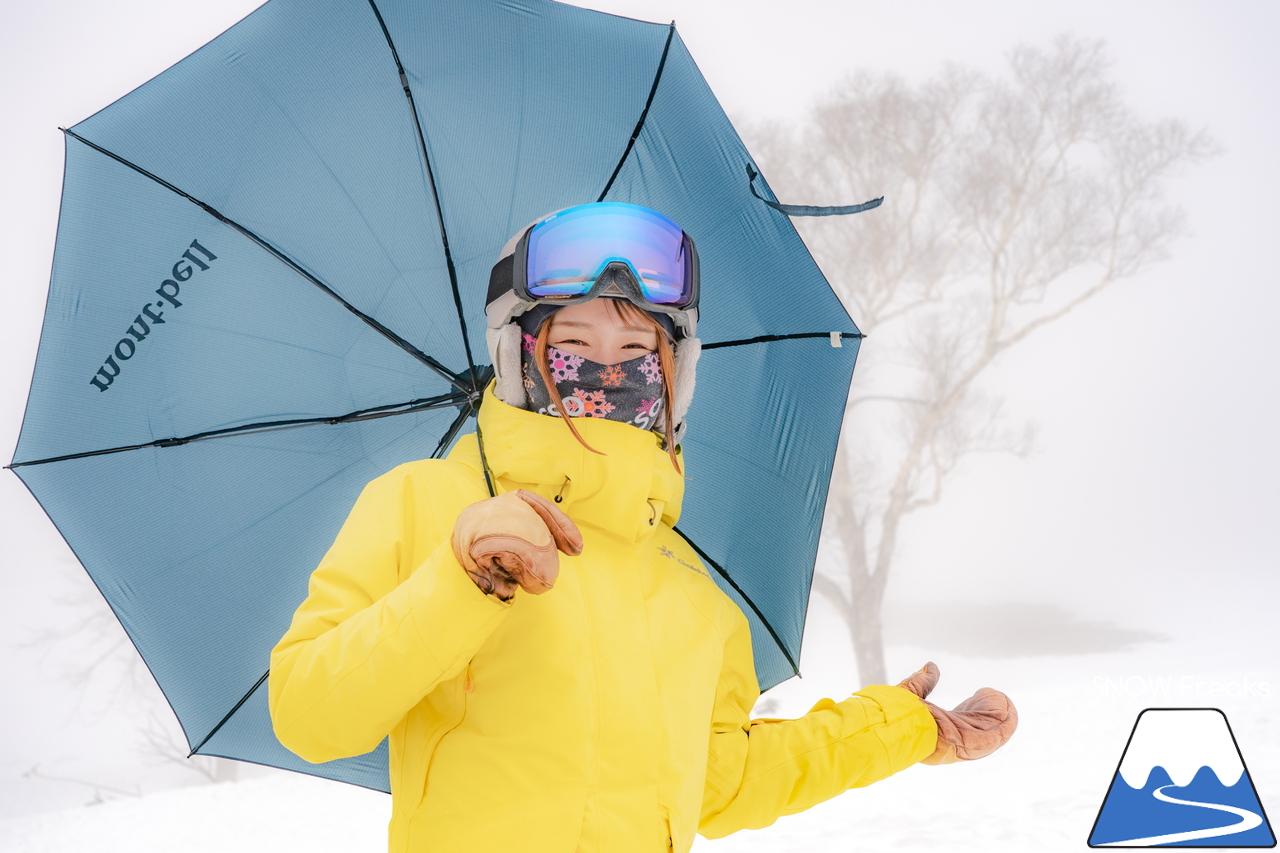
[510, 541]
[976, 727]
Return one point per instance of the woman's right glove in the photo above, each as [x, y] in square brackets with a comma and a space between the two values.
[976, 727]
[510, 541]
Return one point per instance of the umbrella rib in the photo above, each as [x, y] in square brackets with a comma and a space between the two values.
[420, 405]
[451, 432]
[644, 114]
[707, 559]
[448, 375]
[435, 193]
[222, 722]
[764, 339]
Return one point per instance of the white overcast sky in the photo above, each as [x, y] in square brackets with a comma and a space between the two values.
[1153, 497]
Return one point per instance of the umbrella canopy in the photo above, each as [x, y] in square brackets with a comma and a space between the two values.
[268, 289]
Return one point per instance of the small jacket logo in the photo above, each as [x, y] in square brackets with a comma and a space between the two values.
[671, 555]
[1181, 782]
[139, 329]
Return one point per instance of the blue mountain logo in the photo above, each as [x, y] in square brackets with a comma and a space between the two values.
[1181, 783]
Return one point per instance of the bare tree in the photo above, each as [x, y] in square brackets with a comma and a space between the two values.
[98, 660]
[1008, 203]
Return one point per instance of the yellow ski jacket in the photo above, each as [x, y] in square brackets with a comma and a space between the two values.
[610, 714]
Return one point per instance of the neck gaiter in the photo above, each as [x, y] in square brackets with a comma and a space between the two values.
[630, 392]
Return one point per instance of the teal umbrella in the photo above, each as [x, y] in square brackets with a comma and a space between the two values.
[268, 289]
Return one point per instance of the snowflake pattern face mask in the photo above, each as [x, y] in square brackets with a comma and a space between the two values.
[630, 392]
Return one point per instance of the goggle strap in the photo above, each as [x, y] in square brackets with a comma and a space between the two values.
[501, 278]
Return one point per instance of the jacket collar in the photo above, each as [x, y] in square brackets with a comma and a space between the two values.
[625, 492]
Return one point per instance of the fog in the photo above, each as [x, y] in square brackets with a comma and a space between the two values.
[1144, 517]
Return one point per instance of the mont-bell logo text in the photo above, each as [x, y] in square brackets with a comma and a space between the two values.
[152, 314]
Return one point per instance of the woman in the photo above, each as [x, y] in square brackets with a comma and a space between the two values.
[599, 700]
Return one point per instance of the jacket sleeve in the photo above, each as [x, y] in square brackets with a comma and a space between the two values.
[758, 770]
[364, 647]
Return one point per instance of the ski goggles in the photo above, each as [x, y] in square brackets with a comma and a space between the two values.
[610, 248]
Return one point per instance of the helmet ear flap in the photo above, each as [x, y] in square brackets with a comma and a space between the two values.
[505, 349]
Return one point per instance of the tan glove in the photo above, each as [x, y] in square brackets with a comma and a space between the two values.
[976, 727]
[510, 541]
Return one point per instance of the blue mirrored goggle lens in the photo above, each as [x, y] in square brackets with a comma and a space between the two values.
[567, 251]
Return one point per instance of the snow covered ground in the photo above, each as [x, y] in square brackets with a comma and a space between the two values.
[1041, 792]
[279, 813]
